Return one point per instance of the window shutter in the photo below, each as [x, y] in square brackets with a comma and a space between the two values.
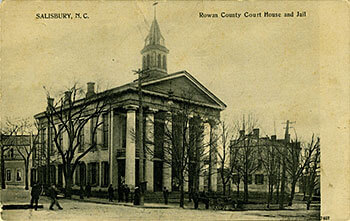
[89, 174]
[97, 173]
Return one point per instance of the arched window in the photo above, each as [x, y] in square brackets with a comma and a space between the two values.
[159, 60]
[144, 62]
[154, 57]
[164, 61]
[148, 61]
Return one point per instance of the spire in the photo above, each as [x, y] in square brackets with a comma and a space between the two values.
[154, 53]
[154, 36]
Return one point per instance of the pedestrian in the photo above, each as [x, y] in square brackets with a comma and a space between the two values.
[110, 193]
[88, 190]
[35, 194]
[195, 199]
[53, 196]
[137, 196]
[81, 193]
[165, 195]
[121, 193]
[126, 191]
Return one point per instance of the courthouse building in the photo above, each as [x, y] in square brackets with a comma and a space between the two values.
[116, 158]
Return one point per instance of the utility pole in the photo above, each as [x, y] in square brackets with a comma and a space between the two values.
[140, 134]
[284, 153]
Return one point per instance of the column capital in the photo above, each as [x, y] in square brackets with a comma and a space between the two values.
[151, 110]
[131, 107]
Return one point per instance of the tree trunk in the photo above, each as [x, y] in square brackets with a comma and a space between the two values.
[292, 193]
[238, 190]
[277, 191]
[246, 189]
[3, 180]
[26, 168]
[223, 187]
[182, 194]
[283, 183]
[69, 184]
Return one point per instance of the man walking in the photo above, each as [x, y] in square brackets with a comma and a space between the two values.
[53, 196]
[35, 194]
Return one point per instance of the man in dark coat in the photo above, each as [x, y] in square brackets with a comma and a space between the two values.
[121, 193]
[88, 190]
[35, 193]
[196, 199]
[165, 195]
[126, 191]
[110, 193]
[81, 192]
[53, 196]
[137, 196]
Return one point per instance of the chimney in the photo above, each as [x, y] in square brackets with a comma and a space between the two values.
[90, 89]
[67, 96]
[273, 137]
[241, 133]
[288, 138]
[49, 103]
[256, 132]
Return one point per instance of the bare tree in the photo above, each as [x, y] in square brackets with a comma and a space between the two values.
[312, 168]
[7, 132]
[184, 148]
[248, 147]
[69, 116]
[25, 148]
[226, 167]
[269, 158]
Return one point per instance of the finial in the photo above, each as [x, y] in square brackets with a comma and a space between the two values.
[155, 10]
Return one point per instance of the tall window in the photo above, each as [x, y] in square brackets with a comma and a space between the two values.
[144, 62]
[259, 179]
[250, 179]
[52, 141]
[81, 140]
[235, 178]
[43, 141]
[105, 126]
[148, 61]
[60, 135]
[8, 175]
[159, 60]
[19, 175]
[93, 172]
[123, 131]
[60, 175]
[93, 132]
[105, 174]
[164, 62]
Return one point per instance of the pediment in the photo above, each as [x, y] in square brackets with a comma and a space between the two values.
[185, 86]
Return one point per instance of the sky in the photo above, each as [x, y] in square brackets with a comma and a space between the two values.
[268, 67]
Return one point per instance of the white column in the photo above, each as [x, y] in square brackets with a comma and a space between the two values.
[111, 115]
[206, 142]
[149, 151]
[167, 154]
[213, 145]
[187, 131]
[130, 148]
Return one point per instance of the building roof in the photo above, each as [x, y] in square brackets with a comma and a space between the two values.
[16, 140]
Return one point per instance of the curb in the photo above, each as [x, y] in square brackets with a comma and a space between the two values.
[122, 204]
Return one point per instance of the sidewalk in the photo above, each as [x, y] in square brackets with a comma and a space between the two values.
[130, 204]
